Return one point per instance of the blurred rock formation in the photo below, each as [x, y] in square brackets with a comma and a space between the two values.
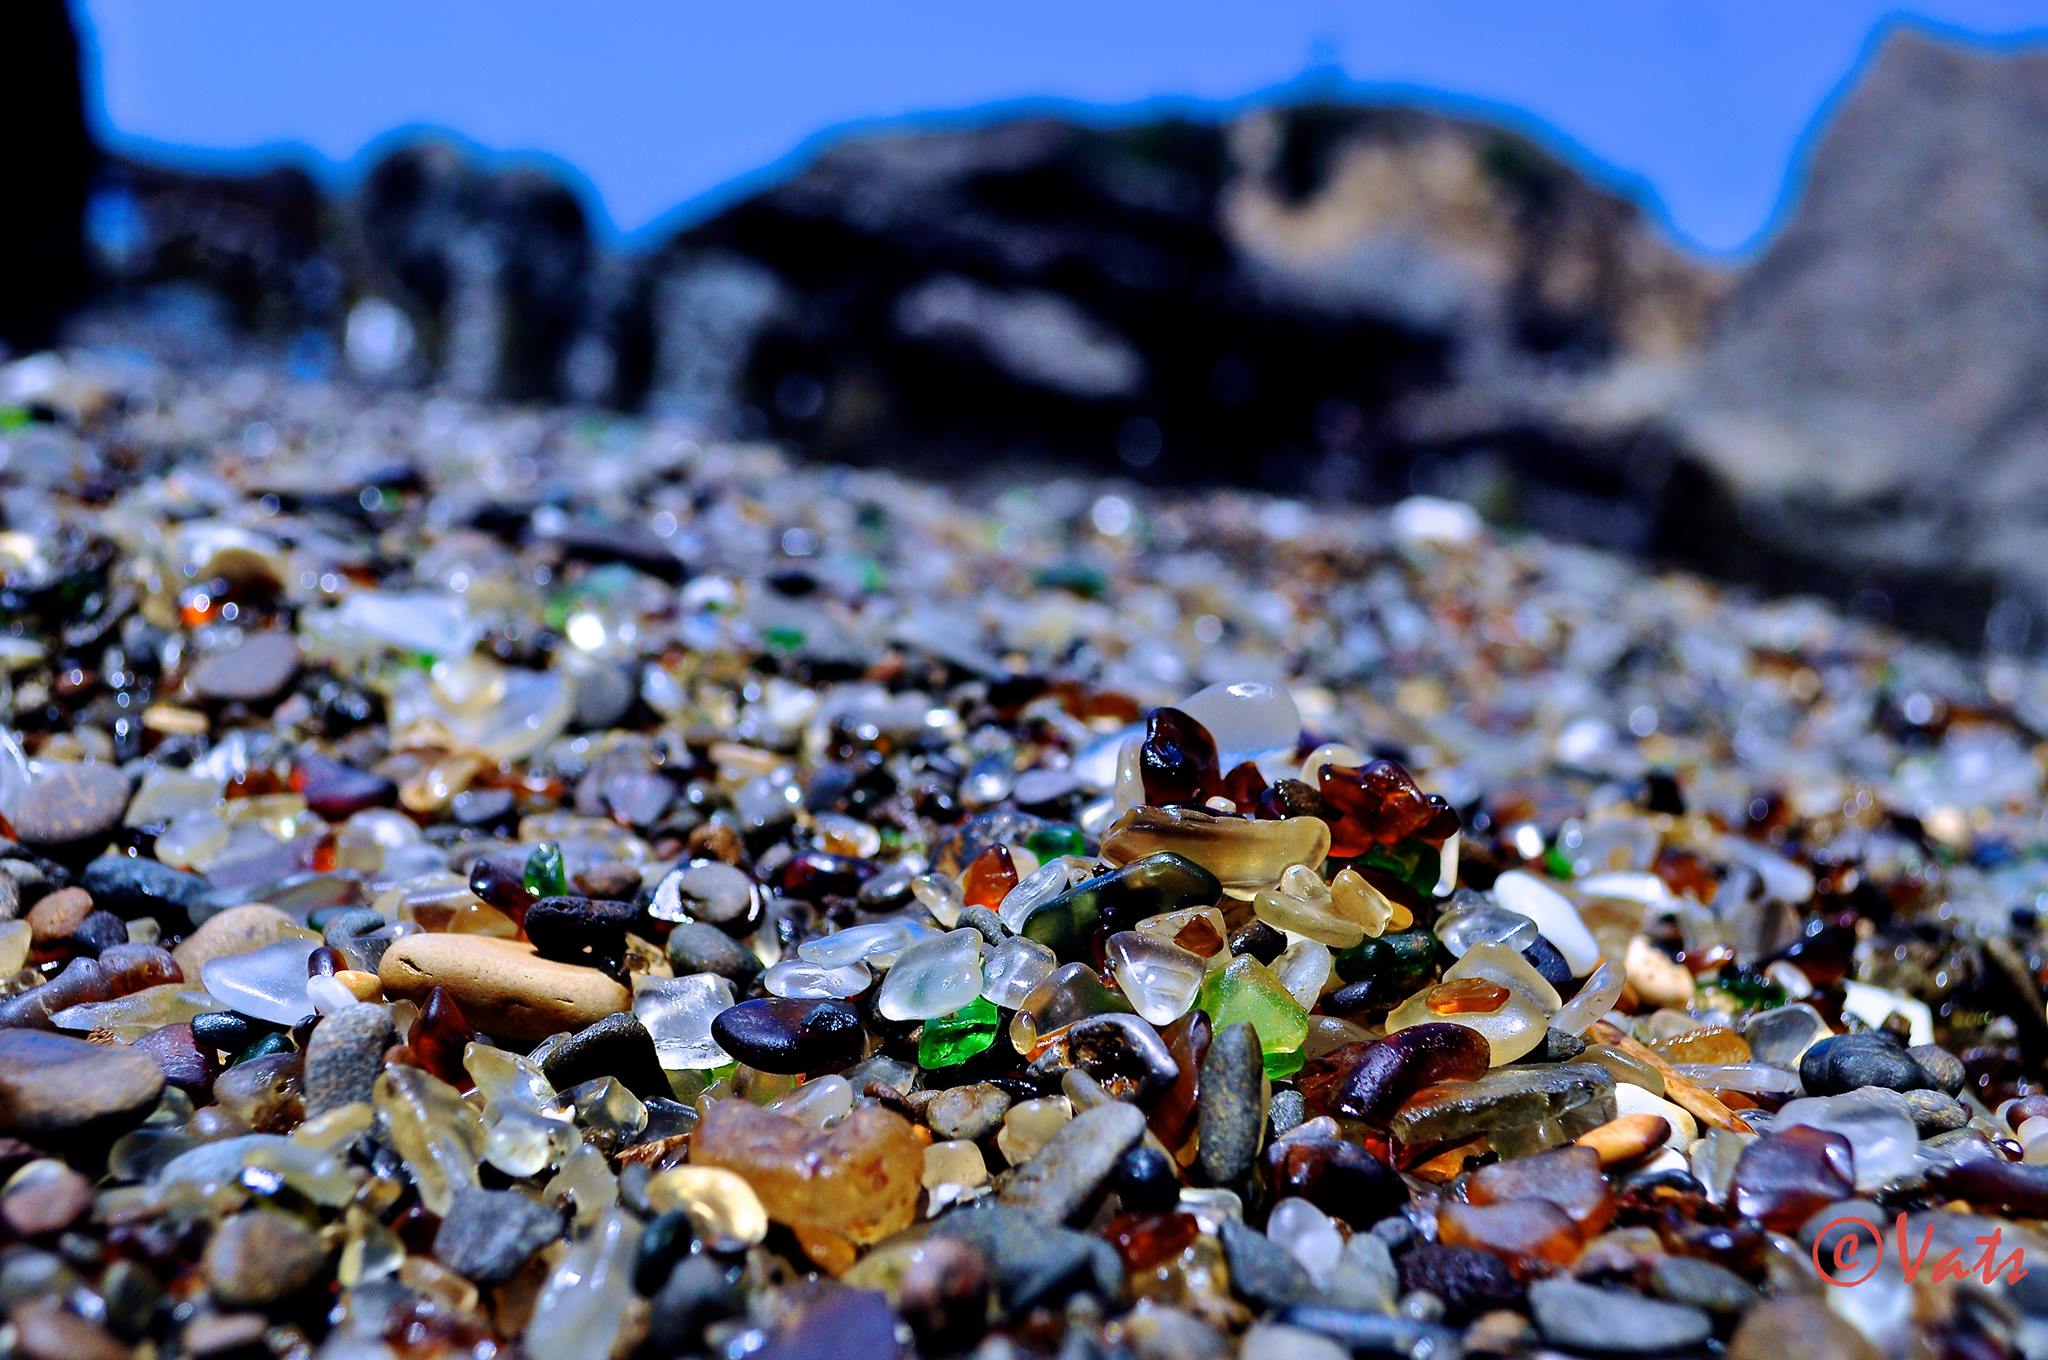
[1323, 298]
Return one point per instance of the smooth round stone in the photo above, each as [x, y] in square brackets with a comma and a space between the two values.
[1555, 917]
[969, 1112]
[710, 891]
[68, 805]
[266, 984]
[142, 887]
[259, 668]
[51, 1084]
[787, 1036]
[933, 977]
[58, 916]
[238, 930]
[502, 986]
[1614, 1322]
[1467, 1280]
[261, 1256]
[1841, 1064]
[694, 947]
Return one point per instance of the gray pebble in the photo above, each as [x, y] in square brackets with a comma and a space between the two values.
[344, 1057]
[709, 891]
[1231, 1106]
[1942, 1067]
[1059, 1182]
[1613, 1321]
[1702, 1284]
[489, 1234]
[694, 947]
[1261, 1270]
[1034, 1262]
[698, 1291]
[1287, 1110]
[987, 922]
[968, 1112]
[1846, 1062]
[261, 1256]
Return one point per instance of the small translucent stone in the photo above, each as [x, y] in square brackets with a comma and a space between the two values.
[1246, 991]
[940, 896]
[1595, 998]
[678, 1013]
[191, 840]
[438, 1136]
[722, 1206]
[1471, 920]
[1246, 718]
[1308, 1235]
[1030, 1125]
[1242, 854]
[1159, 979]
[805, 981]
[1883, 1143]
[1198, 930]
[952, 1171]
[15, 937]
[879, 943]
[858, 1179]
[949, 1040]
[586, 1180]
[1303, 968]
[581, 1310]
[1040, 886]
[128, 1018]
[1302, 906]
[1355, 899]
[1069, 993]
[818, 1102]
[1512, 1025]
[266, 984]
[1014, 970]
[933, 977]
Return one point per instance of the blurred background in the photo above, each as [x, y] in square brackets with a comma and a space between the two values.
[1759, 290]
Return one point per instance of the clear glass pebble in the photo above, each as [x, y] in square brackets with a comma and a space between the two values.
[264, 984]
[933, 977]
[678, 1013]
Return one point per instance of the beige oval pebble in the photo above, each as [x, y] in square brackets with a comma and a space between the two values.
[1658, 979]
[1628, 1138]
[502, 986]
[238, 930]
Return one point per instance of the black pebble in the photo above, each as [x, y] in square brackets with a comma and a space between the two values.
[788, 1036]
[1145, 1181]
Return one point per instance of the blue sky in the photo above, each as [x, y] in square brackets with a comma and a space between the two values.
[1702, 106]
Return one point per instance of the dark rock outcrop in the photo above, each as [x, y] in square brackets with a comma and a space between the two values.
[50, 167]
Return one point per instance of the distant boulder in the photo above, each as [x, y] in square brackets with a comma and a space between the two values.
[1876, 394]
[1252, 301]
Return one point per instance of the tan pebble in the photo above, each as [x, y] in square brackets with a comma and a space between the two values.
[1627, 1139]
[1658, 979]
[502, 986]
[45, 1330]
[362, 986]
[57, 916]
[234, 931]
